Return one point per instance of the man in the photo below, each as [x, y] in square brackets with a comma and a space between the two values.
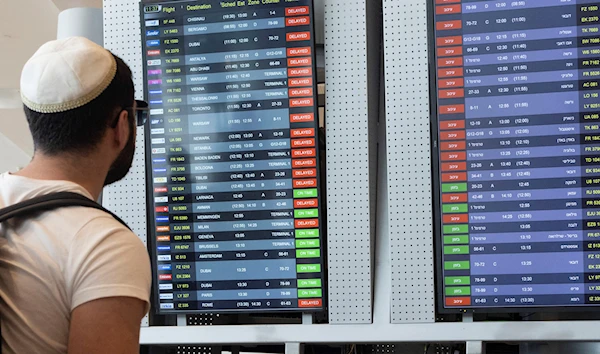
[74, 279]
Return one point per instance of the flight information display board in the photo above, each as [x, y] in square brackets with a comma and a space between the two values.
[517, 121]
[232, 155]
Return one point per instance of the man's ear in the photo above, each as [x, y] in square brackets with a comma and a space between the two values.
[122, 130]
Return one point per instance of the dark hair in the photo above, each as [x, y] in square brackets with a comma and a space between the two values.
[80, 130]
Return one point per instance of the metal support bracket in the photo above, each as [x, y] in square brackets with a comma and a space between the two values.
[473, 347]
[307, 318]
[181, 320]
[294, 348]
[297, 348]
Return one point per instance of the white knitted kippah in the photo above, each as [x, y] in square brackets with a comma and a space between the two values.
[66, 74]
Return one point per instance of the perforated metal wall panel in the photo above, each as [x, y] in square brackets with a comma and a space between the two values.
[409, 161]
[382, 349]
[196, 350]
[350, 160]
[206, 319]
[127, 198]
[399, 348]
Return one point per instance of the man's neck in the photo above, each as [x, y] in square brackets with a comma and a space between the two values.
[84, 171]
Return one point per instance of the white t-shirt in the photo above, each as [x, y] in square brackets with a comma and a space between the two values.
[52, 263]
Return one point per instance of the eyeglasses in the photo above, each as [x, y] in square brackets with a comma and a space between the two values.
[141, 112]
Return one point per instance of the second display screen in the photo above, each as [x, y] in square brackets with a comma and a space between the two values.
[518, 132]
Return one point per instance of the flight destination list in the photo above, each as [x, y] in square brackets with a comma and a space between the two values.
[232, 148]
[518, 132]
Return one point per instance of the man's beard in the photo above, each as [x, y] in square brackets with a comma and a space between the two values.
[119, 169]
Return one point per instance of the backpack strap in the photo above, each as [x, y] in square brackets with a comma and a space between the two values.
[50, 202]
[46, 203]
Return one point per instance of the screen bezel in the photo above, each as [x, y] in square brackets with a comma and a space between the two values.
[438, 244]
[438, 241]
[150, 215]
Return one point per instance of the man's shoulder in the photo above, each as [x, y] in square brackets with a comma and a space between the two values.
[16, 188]
[68, 221]
[98, 227]
[80, 224]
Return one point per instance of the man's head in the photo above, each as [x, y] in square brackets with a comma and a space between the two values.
[79, 102]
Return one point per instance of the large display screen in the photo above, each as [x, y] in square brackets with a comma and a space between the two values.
[232, 155]
[517, 150]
